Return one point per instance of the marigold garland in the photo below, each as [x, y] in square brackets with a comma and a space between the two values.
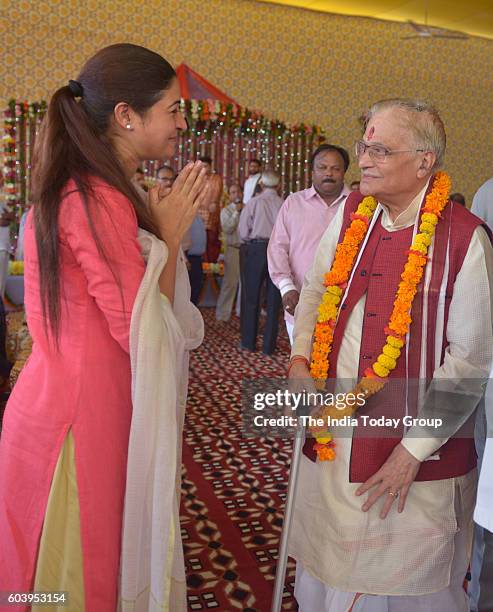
[335, 282]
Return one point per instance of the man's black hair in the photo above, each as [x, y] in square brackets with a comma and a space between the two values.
[330, 147]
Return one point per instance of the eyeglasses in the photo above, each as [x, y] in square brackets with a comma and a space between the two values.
[379, 153]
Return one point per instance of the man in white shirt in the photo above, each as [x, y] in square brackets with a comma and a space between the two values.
[481, 585]
[482, 203]
[230, 217]
[252, 182]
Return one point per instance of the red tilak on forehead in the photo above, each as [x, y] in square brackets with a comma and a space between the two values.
[371, 132]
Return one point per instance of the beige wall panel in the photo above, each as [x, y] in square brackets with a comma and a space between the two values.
[292, 64]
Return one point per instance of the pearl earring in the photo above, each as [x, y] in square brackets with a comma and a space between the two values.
[128, 126]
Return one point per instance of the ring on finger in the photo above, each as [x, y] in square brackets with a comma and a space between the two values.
[394, 495]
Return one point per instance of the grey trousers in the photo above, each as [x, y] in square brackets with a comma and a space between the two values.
[229, 285]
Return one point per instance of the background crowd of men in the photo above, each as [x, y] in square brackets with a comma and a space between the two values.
[268, 243]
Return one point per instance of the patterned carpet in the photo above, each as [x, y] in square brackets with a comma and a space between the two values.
[234, 488]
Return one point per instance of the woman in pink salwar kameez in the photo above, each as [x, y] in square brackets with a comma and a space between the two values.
[64, 442]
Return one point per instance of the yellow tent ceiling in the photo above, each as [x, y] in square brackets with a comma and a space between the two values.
[472, 16]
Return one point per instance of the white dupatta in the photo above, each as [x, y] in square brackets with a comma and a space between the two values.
[152, 565]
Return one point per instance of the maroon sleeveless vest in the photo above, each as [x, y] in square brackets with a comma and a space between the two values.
[378, 275]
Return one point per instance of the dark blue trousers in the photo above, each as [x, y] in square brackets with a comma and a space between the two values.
[253, 259]
[196, 277]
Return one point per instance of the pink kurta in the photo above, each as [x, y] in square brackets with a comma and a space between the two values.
[85, 387]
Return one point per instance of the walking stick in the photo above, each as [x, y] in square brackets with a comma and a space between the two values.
[288, 517]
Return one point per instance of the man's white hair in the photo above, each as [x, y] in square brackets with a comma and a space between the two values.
[422, 119]
[270, 178]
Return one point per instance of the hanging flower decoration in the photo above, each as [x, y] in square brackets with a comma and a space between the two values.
[230, 134]
[21, 121]
[233, 116]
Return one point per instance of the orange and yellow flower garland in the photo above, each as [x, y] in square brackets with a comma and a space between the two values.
[336, 280]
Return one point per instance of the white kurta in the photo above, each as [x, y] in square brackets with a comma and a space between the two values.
[410, 553]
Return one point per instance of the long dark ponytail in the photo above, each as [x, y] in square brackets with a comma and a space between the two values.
[73, 144]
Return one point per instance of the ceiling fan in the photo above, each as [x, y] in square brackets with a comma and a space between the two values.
[427, 31]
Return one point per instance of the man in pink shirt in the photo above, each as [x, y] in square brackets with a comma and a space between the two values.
[301, 223]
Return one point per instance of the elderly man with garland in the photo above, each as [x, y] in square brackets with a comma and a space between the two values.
[400, 288]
